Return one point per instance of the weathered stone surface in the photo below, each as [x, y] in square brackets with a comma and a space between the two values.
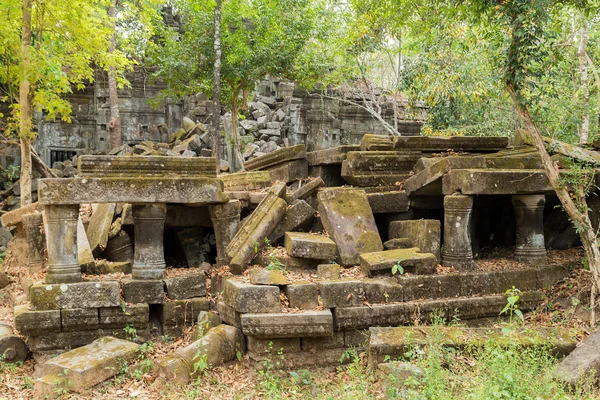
[247, 298]
[422, 233]
[64, 340]
[356, 338]
[289, 171]
[97, 231]
[229, 315]
[191, 240]
[181, 312]
[495, 181]
[524, 157]
[36, 322]
[247, 180]
[430, 286]
[305, 190]
[256, 228]
[320, 343]
[93, 363]
[445, 143]
[305, 359]
[74, 295]
[288, 325]
[33, 225]
[186, 286]
[273, 346]
[197, 191]
[388, 202]
[15, 217]
[307, 245]
[148, 257]
[205, 321]
[393, 342]
[304, 296]
[384, 290]
[79, 319]
[583, 363]
[61, 243]
[411, 260]
[529, 219]
[226, 222]
[365, 168]
[398, 243]
[329, 271]
[298, 216]
[266, 277]
[347, 217]
[143, 291]
[428, 181]
[102, 267]
[375, 315]
[341, 293]
[94, 166]
[84, 250]
[334, 155]
[136, 315]
[276, 157]
[457, 250]
[12, 347]
[331, 174]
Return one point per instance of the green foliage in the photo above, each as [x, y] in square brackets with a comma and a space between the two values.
[9, 175]
[512, 307]
[397, 268]
[274, 263]
[131, 332]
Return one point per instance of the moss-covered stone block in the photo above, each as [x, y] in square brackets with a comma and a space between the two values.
[186, 286]
[74, 295]
[143, 291]
[342, 293]
[411, 260]
[303, 295]
[136, 315]
[247, 298]
[308, 245]
[36, 322]
[79, 319]
[183, 312]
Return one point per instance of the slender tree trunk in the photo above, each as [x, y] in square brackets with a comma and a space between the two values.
[597, 82]
[575, 206]
[585, 95]
[238, 162]
[25, 105]
[216, 120]
[115, 119]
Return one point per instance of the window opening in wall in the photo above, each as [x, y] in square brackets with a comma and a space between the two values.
[61, 155]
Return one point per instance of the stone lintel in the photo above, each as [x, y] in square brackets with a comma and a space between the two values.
[288, 325]
[334, 155]
[75, 295]
[97, 166]
[276, 157]
[495, 182]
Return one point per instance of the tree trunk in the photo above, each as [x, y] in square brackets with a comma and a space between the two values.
[114, 125]
[585, 95]
[238, 162]
[216, 119]
[25, 104]
[577, 213]
[597, 81]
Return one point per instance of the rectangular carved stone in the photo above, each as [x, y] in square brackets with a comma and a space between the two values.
[298, 216]
[303, 295]
[342, 293]
[334, 155]
[143, 291]
[305, 190]
[388, 202]
[229, 315]
[320, 343]
[186, 286]
[364, 168]
[15, 217]
[289, 171]
[196, 191]
[423, 233]
[79, 319]
[276, 157]
[495, 181]
[273, 346]
[347, 217]
[428, 181]
[94, 166]
[137, 315]
[411, 260]
[74, 295]
[99, 226]
[247, 180]
[247, 298]
[36, 322]
[181, 312]
[375, 315]
[286, 325]
[308, 245]
[456, 143]
[385, 290]
[63, 340]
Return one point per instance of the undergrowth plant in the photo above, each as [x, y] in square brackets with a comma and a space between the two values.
[512, 307]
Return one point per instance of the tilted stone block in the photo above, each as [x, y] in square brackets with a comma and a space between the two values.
[276, 157]
[388, 202]
[422, 233]
[247, 298]
[334, 155]
[79, 319]
[305, 190]
[136, 315]
[298, 216]
[186, 286]
[99, 226]
[248, 180]
[342, 293]
[74, 295]
[411, 260]
[455, 143]
[398, 243]
[181, 312]
[36, 322]
[15, 217]
[307, 245]
[495, 182]
[304, 296]
[286, 325]
[289, 171]
[143, 291]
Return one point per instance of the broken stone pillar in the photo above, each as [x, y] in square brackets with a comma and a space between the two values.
[226, 222]
[191, 240]
[149, 257]
[529, 218]
[457, 251]
[34, 231]
[61, 241]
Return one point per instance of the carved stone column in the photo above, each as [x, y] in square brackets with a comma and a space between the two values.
[149, 225]
[226, 222]
[457, 251]
[61, 241]
[34, 231]
[529, 219]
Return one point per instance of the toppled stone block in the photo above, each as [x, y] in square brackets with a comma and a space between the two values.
[97, 231]
[229, 315]
[36, 322]
[247, 180]
[266, 277]
[247, 298]
[411, 260]
[288, 325]
[307, 245]
[79, 319]
[290, 263]
[273, 346]
[342, 293]
[298, 216]
[93, 363]
[366, 168]
[583, 363]
[186, 286]
[143, 291]
[304, 296]
[398, 243]
[74, 295]
[428, 181]
[276, 157]
[388, 202]
[422, 233]
[192, 240]
[331, 156]
[347, 217]
[182, 312]
[289, 171]
[63, 340]
[98, 166]
[329, 271]
[15, 217]
[137, 315]
[85, 255]
[306, 190]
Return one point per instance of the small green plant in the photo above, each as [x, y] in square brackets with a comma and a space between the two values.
[166, 338]
[9, 175]
[201, 357]
[512, 307]
[63, 388]
[274, 263]
[131, 332]
[397, 268]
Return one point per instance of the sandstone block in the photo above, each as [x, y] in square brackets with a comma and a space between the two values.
[229, 315]
[36, 322]
[342, 293]
[329, 271]
[186, 286]
[320, 343]
[307, 245]
[303, 295]
[143, 291]
[582, 362]
[97, 231]
[248, 180]
[286, 325]
[276, 157]
[411, 260]
[74, 295]
[388, 202]
[305, 190]
[266, 277]
[422, 233]
[79, 319]
[273, 346]
[495, 182]
[289, 171]
[398, 243]
[136, 315]
[375, 315]
[383, 291]
[63, 340]
[182, 312]
[247, 298]
[298, 216]
[114, 166]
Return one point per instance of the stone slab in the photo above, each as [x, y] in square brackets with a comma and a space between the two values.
[99, 226]
[398, 243]
[388, 202]
[298, 216]
[583, 363]
[136, 315]
[74, 295]
[100, 166]
[304, 296]
[84, 250]
[186, 286]
[429, 180]
[288, 325]
[422, 233]
[273, 346]
[143, 291]
[335, 341]
[93, 363]
[495, 181]
[183, 312]
[291, 263]
[329, 271]
[289, 171]
[342, 293]
[15, 217]
[412, 260]
[347, 217]
[437, 144]
[308, 245]
[36, 322]
[247, 298]
[79, 319]
[383, 291]
[331, 156]
[247, 180]
[267, 277]
[194, 191]
[305, 191]
[229, 315]
[276, 157]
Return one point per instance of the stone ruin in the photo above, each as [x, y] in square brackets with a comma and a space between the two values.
[373, 236]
